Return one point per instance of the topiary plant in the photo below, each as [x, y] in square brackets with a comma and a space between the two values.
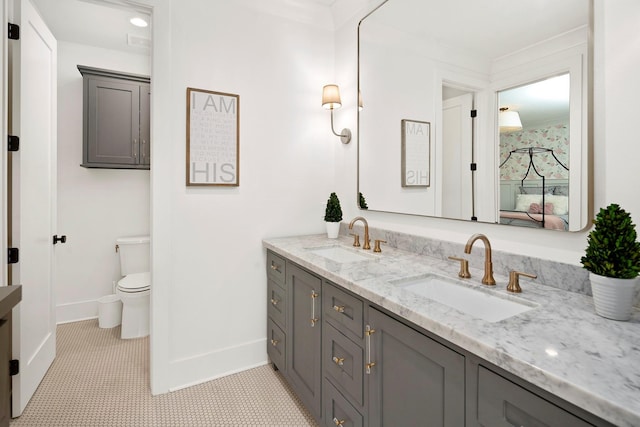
[612, 246]
[362, 202]
[333, 213]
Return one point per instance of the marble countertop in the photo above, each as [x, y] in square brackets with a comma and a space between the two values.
[561, 346]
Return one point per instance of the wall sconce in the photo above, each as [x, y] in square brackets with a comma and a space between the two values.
[331, 101]
[509, 121]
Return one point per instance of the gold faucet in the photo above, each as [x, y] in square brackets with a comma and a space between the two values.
[488, 266]
[366, 239]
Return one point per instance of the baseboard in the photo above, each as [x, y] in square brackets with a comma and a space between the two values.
[195, 370]
[76, 311]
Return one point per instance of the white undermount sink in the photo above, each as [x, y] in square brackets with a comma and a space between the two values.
[338, 254]
[474, 302]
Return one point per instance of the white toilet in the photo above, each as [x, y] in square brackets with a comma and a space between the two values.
[134, 288]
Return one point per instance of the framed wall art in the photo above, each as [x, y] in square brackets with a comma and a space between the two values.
[213, 142]
[416, 145]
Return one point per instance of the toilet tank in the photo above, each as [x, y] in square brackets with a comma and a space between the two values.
[134, 254]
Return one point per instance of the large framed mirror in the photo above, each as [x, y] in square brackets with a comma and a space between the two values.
[464, 67]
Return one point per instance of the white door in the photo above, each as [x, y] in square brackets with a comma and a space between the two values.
[456, 154]
[33, 118]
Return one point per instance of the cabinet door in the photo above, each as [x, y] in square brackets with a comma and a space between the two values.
[502, 403]
[145, 124]
[113, 127]
[304, 336]
[415, 381]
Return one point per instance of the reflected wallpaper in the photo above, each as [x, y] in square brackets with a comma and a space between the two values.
[554, 137]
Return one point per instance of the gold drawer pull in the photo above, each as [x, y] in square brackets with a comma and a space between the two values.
[338, 422]
[338, 360]
[274, 301]
[368, 331]
[339, 308]
[314, 319]
[274, 342]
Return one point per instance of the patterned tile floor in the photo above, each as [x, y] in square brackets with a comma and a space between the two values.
[98, 380]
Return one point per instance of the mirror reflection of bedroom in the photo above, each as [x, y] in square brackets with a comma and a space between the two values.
[534, 154]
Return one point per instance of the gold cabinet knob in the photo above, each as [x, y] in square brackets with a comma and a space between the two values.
[338, 422]
[514, 280]
[339, 308]
[274, 301]
[274, 342]
[338, 360]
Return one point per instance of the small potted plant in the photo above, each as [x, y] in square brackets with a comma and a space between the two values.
[333, 216]
[613, 260]
[362, 202]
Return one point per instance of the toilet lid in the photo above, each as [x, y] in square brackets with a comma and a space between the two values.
[135, 282]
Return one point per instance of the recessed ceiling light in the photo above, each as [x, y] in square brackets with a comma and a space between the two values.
[138, 22]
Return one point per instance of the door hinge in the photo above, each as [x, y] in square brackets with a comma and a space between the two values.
[14, 255]
[474, 113]
[13, 143]
[14, 367]
[474, 166]
[14, 31]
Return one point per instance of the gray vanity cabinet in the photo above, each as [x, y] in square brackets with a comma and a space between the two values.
[502, 403]
[344, 398]
[276, 311]
[415, 381]
[353, 365]
[116, 119]
[304, 335]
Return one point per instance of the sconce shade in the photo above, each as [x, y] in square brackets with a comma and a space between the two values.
[509, 121]
[331, 97]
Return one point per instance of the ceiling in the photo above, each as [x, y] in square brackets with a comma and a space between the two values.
[96, 23]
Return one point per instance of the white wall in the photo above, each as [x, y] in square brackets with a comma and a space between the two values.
[209, 281]
[94, 205]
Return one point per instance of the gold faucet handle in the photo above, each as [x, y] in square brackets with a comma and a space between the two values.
[514, 280]
[356, 240]
[376, 246]
[464, 267]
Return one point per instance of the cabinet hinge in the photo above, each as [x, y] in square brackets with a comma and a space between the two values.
[474, 113]
[473, 166]
[14, 367]
[13, 143]
[14, 32]
[14, 255]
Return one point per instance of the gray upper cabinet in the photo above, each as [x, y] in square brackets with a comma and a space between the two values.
[116, 119]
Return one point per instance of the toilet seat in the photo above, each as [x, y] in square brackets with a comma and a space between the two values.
[135, 283]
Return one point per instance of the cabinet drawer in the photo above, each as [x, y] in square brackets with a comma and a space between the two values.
[276, 344]
[337, 410]
[343, 363]
[277, 303]
[343, 310]
[503, 403]
[276, 268]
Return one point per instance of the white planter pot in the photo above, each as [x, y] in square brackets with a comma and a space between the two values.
[333, 229]
[613, 298]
